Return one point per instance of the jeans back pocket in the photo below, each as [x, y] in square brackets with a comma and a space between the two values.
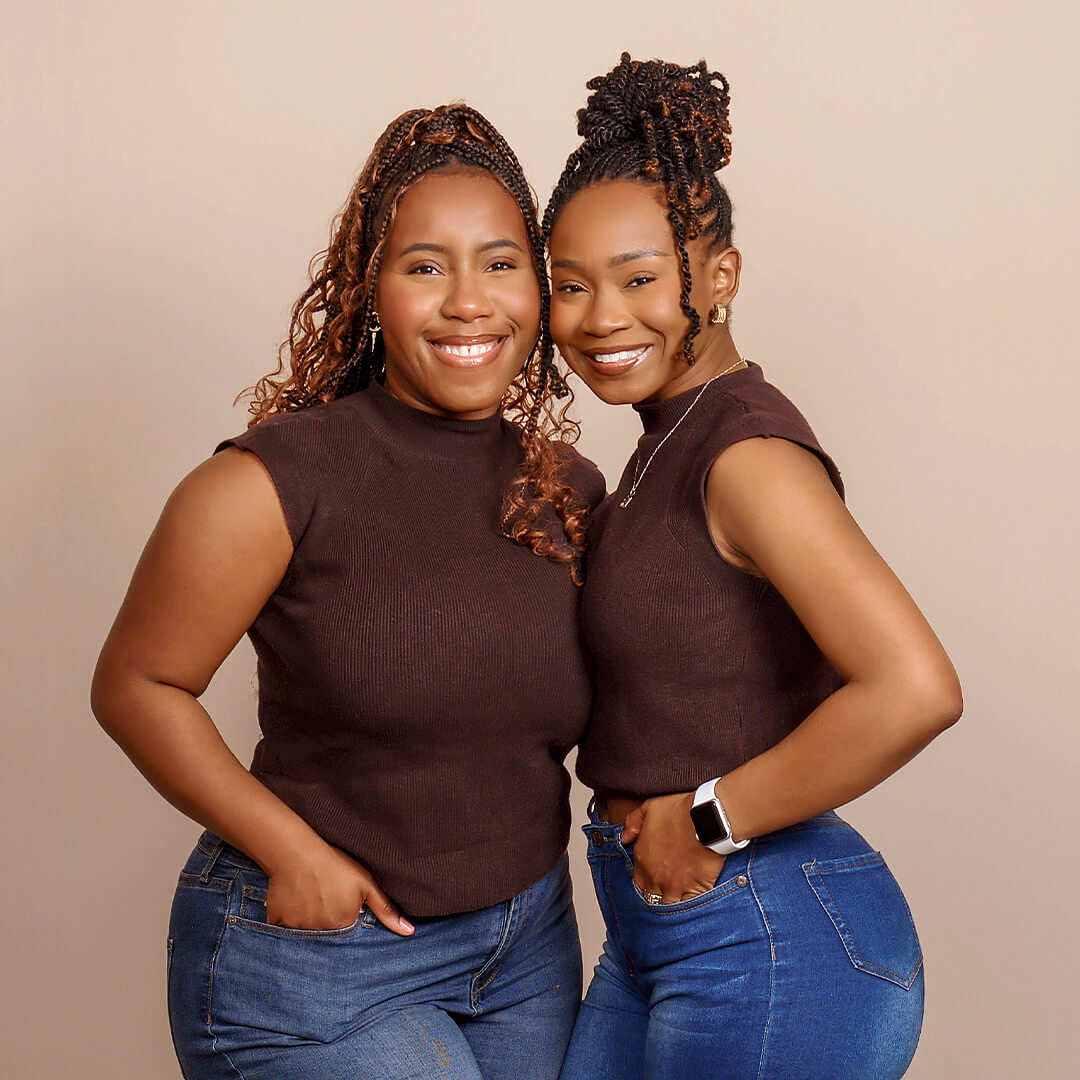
[868, 910]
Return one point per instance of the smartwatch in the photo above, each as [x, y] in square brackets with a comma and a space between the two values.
[710, 821]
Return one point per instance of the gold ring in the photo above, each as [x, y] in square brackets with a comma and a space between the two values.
[653, 898]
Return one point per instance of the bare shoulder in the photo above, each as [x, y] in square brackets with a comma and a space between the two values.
[759, 463]
[768, 488]
[233, 486]
[224, 516]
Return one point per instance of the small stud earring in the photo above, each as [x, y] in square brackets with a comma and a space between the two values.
[717, 315]
[374, 328]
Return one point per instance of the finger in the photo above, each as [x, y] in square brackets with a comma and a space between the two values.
[644, 885]
[386, 913]
[632, 825]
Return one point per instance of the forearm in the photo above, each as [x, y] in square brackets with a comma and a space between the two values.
[174, 743]
[856, 738]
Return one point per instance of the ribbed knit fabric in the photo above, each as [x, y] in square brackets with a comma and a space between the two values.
[421, 678]
[699, 666]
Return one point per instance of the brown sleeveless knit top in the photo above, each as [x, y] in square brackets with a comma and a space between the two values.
[421, 677]
[699, 666]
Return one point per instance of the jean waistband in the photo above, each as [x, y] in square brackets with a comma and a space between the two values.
[218, 850]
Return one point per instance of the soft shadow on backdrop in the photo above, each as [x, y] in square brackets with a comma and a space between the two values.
[904, 185]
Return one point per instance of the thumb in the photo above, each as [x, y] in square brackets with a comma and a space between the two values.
[632, 825]
[385, 911]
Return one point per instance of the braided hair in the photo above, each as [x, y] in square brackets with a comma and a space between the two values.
[334, 348]
[662, 124]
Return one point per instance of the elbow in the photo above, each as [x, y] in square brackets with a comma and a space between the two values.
[102, 689]
[110, 689]
[937, 702]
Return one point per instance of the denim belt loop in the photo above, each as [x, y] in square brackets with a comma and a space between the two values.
[211, 859]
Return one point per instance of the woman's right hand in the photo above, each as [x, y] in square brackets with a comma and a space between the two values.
[322, 888]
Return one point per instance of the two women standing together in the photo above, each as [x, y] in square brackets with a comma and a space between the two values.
[403, 532]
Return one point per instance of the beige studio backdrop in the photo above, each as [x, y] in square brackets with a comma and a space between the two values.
[904, 181]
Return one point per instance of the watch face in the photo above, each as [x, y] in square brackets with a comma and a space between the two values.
[708, 823]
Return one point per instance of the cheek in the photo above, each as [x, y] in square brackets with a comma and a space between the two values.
[564, 320]
[403, 311]
[520, 300]
[659, 309]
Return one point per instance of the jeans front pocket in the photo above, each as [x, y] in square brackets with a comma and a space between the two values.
[252, 915]
[868, 910]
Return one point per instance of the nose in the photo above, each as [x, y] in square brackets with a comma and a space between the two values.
[605, 315]
[466, 298]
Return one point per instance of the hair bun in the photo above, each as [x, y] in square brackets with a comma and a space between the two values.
[650, 101]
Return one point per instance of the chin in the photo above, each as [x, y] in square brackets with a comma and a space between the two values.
[622, 391]
[613, 395]
[468, 399]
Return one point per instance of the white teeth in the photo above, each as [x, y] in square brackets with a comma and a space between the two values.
[469, 352]
[621, 357]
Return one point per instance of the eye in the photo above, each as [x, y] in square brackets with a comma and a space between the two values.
[569, 287]
[502, 264]
[425, 268]
[638, 280]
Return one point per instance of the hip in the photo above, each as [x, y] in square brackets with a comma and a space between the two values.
[816, 892]
[232, 974]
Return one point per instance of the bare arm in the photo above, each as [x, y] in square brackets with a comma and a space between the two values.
[774, 513]
[218, 552]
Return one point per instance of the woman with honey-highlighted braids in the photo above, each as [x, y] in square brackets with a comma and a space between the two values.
[400, 533]
[757, 663]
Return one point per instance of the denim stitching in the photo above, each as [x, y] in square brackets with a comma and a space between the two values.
[842, 929]
[853, 953]
[772, 961]
[293, 932]
[194, 881]
[870, 858]
[494, 961]
[210, 993]
[618, 922]
[214, 854]
[233, 856]
[517, 916]
[717, 892]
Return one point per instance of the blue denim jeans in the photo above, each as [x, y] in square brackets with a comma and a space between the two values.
[801, 963]
[487, 995]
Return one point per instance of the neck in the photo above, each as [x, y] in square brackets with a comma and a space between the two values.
[400, 389]
[717, 353]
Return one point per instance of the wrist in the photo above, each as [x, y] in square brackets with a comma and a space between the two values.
[731, 790]
[285, 848]
[710, 820]
[729, 799]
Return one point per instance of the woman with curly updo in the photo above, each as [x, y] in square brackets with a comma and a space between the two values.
[757, 662]
[400, 533]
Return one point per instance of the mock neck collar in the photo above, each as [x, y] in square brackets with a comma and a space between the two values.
[414, 430]
[660, 417]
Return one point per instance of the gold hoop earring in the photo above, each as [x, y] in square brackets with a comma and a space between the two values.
[374, 328]
[717, 315]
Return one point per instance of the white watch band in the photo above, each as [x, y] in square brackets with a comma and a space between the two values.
[707, 793]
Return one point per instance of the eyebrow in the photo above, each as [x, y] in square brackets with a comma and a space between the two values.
[616, 260]
[439, 249]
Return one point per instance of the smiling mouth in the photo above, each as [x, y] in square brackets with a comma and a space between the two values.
[616, 361]
[467, 352]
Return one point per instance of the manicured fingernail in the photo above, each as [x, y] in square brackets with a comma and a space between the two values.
[406, 925]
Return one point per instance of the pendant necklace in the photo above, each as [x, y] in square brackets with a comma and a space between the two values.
[639, 476]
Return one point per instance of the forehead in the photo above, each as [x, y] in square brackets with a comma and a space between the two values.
[459, 208]
[610, 218]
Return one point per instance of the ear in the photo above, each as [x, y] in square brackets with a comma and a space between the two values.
[722, 268]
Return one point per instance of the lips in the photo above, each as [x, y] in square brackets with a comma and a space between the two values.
[618, 361]
[463, 351]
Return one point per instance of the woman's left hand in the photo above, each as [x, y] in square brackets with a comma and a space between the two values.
[669, 860]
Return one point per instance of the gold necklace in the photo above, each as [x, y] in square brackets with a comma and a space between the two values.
[638, 477]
